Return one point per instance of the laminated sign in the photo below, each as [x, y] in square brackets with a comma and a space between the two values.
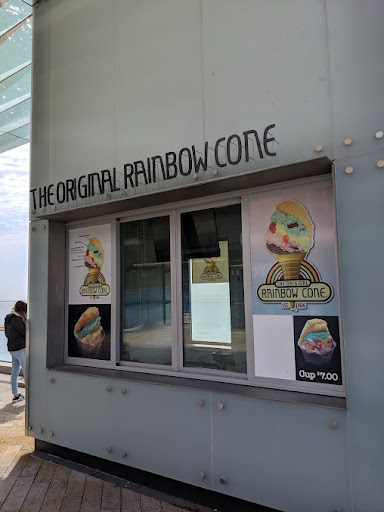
[89, 292]
[294, 287]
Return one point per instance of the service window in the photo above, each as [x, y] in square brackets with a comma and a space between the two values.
[243, 291]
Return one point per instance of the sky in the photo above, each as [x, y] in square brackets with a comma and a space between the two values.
[14, 193]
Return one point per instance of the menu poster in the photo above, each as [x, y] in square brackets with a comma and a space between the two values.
[317, 365]
[89, 331]
[89, 292]
[90, 264]
[294, 287]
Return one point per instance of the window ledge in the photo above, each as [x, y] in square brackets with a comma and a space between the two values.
[209, 386]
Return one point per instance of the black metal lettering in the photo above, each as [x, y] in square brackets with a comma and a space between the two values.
[189, 156]
[128, 176]
[170, 163]
[217, 153]
[200, 161]
[239, 150]
[246, 141]
[268, 139]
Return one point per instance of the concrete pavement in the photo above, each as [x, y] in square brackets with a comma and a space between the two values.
[32, 482]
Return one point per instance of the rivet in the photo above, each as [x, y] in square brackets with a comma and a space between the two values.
[201, 475]
[220, 406]
[348, 141]
[223, 480]
[108, 388]
[123, 454]
[195, 176]
[337, 510]
[33, 211]
[123, 391]
[51, 434]
[29, 427]
[215, 171]
[54, 207]
[123, 192]
[319, 148]
[108, 449]
[332, 424]
[349, 170]
[43, 226]
[379, 134]
[51, 380]
[41, 430]
[108, 195]
[380, 163]
[33, 229]
[44, 210]
[200, 403]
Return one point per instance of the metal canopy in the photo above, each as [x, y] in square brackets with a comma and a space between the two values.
[15, 72]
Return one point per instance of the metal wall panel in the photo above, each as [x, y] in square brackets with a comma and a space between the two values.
[82, 414]
[82, 128]
[37, 314]
[158, 87]
[41, 79]
[257, 71]
[283, 456]
[165, 431]
[360, 208]
[356, 40]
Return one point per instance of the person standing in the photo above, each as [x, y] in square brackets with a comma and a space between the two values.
[14, 325]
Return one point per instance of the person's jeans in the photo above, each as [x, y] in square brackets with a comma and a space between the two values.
[18, 359]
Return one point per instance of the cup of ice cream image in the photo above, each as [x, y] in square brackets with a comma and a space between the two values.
[316, 342]
[289, 237]
[89, 333]
[94, 258]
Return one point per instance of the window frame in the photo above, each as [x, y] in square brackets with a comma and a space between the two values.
[174, 211]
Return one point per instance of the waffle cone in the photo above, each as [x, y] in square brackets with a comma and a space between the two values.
[94, 273]
[291, 263]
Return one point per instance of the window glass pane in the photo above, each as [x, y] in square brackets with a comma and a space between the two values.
[146, 292]
[213, 297]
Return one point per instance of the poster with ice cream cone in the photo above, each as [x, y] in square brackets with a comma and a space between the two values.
[294, 276]
[90, 264]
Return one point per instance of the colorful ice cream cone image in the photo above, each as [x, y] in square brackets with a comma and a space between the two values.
[89, 333]
[316, 342]
[94, 258]
[289, 237]
[210, 264]
[94, 273]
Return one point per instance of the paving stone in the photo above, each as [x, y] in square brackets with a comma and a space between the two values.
[149, 504]
[167, 507]
[74, 492]
[38, 490]
[32, 467]
[111, 497]
[56, 490]
[130, 501]
[92, 495]
[18, 493]
[7, 457]
[9, 478]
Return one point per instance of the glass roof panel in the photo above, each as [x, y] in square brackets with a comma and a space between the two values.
[15, 72]
[12, 13]
[15, 88]
[13, 140]
[16, 51]
[15, 117]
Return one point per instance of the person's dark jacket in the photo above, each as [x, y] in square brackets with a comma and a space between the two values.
[15, 332]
